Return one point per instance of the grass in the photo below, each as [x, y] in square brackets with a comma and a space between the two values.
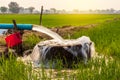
[10, 69]
[58, 20]
[106, 37]
[30, 41]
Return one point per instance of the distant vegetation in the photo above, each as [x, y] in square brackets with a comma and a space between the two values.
[13, 7]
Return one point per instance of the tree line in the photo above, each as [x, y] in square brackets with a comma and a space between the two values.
[14, 7]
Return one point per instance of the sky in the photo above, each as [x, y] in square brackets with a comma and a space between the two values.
[66, 4]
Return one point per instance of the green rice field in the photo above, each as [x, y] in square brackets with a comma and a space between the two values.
[53, 20]
[105, 35]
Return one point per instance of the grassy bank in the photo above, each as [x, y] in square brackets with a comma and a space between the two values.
[106, 37]
[106, 66]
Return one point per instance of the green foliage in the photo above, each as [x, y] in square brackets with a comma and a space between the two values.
[105, 35]
[99, 69]
[11, 69]
[3, 9]
[13, 7]
[31, 9]
[31, 41]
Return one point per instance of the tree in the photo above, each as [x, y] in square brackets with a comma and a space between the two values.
[3, 9]
[76, 10]
[53, 10]
[31, 9]
[21, 9]
[90, 10]
[13, 7]
[64, 11]
[112, 10]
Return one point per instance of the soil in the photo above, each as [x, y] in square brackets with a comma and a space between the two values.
[63, 31]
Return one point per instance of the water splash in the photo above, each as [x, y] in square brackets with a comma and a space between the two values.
[48, 32]
[3, 31]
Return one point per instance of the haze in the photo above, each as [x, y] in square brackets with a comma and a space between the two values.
[66, 4]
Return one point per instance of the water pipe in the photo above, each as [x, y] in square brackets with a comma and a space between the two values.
[19, 26]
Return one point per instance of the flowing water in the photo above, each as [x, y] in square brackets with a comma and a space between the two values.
[2, 31]
[48, 32]
[72, 46]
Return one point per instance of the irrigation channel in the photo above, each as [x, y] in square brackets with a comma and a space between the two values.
[46, 50]
[48, 32]
[69, 49]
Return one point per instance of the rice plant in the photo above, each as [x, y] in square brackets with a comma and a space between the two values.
[105, 66]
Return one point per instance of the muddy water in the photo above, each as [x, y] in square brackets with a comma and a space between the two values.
[48, 32]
